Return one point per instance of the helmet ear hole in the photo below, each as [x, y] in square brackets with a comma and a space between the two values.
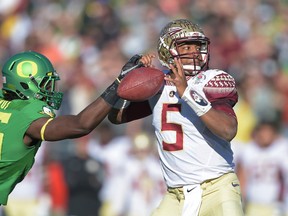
[24, 85]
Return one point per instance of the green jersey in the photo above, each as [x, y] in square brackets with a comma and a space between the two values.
[16, 159]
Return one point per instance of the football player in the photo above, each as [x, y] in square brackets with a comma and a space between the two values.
[27, 114]
[194, 123]
[262, 170]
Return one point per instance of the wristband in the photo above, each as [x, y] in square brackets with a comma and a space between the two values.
[44, 128]
[110, 94]
[198, 102]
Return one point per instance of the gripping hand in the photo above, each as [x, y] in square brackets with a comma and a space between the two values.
[110, 94]
[132, 63]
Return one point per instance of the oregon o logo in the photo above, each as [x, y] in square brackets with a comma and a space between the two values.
[25, 68]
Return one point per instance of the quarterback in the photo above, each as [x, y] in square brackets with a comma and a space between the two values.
[194, 123]
[27, 114]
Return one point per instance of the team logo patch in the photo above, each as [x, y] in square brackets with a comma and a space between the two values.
[171, 93]
[198, 98]
[47, 111]
[199, 78]
[27, 68]
[173, 30]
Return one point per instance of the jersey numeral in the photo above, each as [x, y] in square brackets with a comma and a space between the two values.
[172, 126]
[4, 118]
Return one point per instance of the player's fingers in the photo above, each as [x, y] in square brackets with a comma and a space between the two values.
[168, 78]
[151, 56]
[173, 69]
[179, 66]
[147, 60]
[144, 61]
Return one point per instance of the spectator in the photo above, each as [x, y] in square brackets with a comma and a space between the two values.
[142, 185]
[112, 151]
[84, 178]
[262, 167]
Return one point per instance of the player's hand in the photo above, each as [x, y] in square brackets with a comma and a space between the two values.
[132, 63]
[177, 77]
[147, 60]
[110, 94]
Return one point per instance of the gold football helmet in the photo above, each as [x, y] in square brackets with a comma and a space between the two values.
[179, 32]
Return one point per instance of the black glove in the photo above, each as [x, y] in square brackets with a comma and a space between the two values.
[110, 94]
[132, 63]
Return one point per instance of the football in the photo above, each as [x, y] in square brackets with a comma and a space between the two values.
[141, 84]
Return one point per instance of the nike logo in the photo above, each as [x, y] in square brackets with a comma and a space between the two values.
[189, 190]
[235, 184]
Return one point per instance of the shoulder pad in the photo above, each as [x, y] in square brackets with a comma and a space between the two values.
[221, 86]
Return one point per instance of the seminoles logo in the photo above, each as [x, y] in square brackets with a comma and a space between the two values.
[173, 30]
[198, 98]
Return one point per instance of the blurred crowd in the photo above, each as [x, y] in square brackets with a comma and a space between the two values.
[109, 172]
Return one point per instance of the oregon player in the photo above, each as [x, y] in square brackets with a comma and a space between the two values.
[16, 158]
[27, 117]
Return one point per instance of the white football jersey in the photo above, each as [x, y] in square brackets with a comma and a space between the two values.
[189, 152]
[265, 170]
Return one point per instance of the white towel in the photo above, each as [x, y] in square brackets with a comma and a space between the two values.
[193, 198]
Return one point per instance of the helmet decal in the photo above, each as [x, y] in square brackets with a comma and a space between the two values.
[27, 68]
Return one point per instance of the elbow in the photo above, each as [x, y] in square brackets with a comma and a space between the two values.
[229, 133]
[81, 132]
[229, 129]
[87, 131]
[226, 132]
[85, 128]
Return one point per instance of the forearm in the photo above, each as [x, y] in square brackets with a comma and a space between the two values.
[214, 117]
[134, 111]
[94, 114]
[74, 126]
[220, 123]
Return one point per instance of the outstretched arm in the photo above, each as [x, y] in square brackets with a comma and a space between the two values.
[70, 126]
[73, 126]
[134, 111]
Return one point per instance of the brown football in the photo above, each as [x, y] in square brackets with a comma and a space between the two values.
[141, 84]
